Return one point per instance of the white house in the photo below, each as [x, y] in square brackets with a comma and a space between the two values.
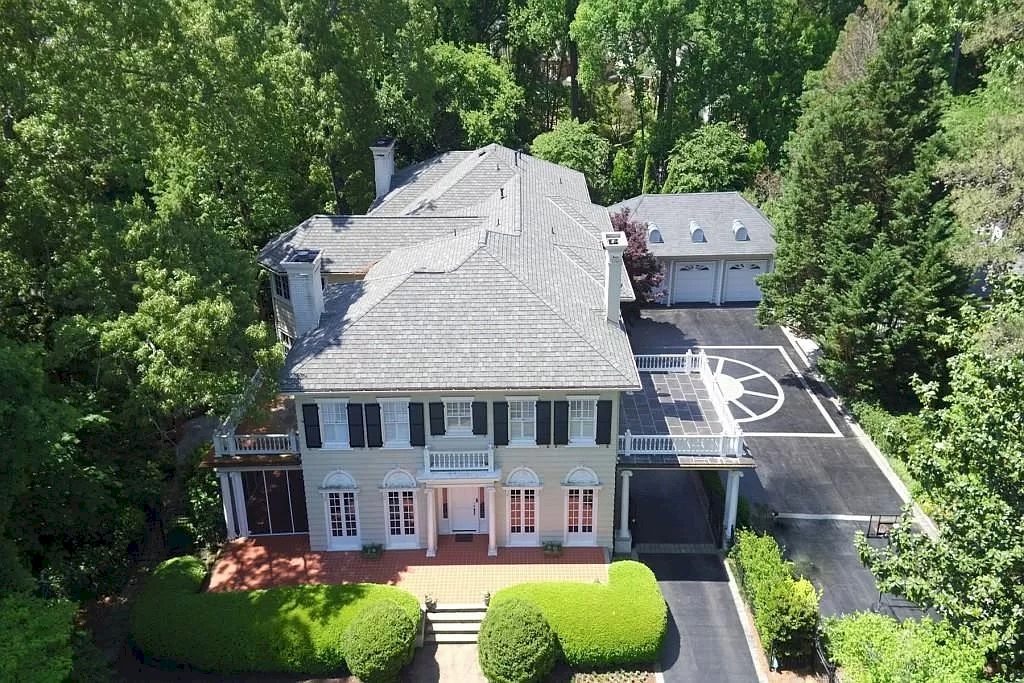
[456, 362]
[712, 246]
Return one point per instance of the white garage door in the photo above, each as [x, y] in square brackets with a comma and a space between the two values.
[693, 282]
[739, 280]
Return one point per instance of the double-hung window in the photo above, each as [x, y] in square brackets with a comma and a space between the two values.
[582, 420]
[334, 423]
[281, 288]
[395, 423]
[458, 416]
[522, 420]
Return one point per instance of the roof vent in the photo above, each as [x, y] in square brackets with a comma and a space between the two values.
[696, 232]
[739, 231]
[654, 234]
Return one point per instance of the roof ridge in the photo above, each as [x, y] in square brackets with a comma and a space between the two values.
[558, 313]
[448, 180]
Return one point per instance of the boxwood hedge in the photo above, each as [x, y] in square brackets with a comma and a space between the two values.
[295, 629]
[601, 625]
[516, 643]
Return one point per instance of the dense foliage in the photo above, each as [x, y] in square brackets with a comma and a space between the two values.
[713, 158]
[296, 629]
[578, 146]
[516, 644]
[785, 607]
[872, 648]
[601, 625]
[379, 642]
[645, 274]
[35, 639]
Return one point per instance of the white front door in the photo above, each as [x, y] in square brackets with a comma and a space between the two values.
[693, 282]
[739, 280]
[342, 521]
[402, 532]
[464, 506]
[580, 506]
[522, 517]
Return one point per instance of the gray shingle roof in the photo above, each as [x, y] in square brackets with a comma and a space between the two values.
[515, 302]
[713, 211]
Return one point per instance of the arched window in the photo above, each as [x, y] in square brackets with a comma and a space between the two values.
[696, 232]
[339, 480]
[582, 476]
[522, 494]
[581, 486]
[399, 479]
[400, 503]
[341, 511]
[522, 476]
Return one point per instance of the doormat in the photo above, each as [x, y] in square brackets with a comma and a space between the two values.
[463, 538]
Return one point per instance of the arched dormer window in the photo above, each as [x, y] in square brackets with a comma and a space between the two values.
[739, 231]
[654, 234]
[696, 232]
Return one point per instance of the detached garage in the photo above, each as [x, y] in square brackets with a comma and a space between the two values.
[712, 246]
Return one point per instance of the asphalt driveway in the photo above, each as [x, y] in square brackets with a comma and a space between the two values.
[811, 468]
[705, 641]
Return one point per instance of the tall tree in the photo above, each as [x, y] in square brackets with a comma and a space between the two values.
[713, 158]
[577, 146]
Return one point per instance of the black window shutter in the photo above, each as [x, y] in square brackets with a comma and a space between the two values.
[417, 433]
[500, 423]
[479, 417]
[311, 424]
[356, 439]
[374, 439]
[436, 419]
[561, 422]
[543, 422]
[604, 422]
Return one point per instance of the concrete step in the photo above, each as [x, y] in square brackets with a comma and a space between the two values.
[436, 617]
[454, 627]
[460, 607]
[450, 638]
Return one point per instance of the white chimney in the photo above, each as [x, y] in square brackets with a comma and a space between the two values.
[615, 245]
[305, 288]
[383, 164]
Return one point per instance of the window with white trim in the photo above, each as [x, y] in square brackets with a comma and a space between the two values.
[458, 416]
[334, 423]
[401, 513]
[281, 287]
[522, 517]
[344, 520]
[286, 339]
[394, 417]
[580, 511]
[582, 420]
[522, 421]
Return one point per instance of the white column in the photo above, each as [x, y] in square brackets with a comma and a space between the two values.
[431, 524]
[492, 515]
[225, 499]
[243, 519]
[732, 498]
[623, 540]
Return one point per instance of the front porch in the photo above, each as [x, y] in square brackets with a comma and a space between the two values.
[461, 572]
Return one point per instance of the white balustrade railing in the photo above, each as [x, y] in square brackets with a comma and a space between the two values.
[724, 445]
[230, 444]
[668, 362]
[458, 461]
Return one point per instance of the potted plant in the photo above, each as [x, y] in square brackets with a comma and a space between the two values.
[429, 602]
[373, 551]
[553, 549]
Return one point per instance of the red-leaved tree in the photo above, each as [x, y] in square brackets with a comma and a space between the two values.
[644, 272]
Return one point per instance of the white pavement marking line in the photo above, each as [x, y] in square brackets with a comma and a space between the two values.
[734, 389]
[823, 517]
[745, 409]
[749, 631]
[836, 432]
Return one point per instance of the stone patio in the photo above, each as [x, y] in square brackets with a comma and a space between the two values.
[461, 572]
[671, 403]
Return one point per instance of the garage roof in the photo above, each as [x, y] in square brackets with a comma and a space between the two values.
[714, 212]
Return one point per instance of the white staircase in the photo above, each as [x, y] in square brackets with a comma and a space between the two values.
[454, 623]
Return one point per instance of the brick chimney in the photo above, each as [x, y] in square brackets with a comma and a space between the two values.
[383, 164]
[307, 293]
[614, 246]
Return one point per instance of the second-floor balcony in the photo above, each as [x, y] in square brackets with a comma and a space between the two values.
[469, 461]
[253, 430]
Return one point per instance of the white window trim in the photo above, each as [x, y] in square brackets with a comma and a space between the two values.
[522, 540]
[345, 542]
[273, 286]
[592, 441]
[333, 445]
[579, 542]
[449, 430]
[402, 541]
[404, 402]
[522, 442]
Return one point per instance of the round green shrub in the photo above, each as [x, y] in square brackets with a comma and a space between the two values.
[379, 642]
[516, 644]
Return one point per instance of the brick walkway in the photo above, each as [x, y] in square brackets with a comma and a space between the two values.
[460, 573]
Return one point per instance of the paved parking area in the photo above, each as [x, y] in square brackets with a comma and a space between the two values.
[705, 641]
[668, 506]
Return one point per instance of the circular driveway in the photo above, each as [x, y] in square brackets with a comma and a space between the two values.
[748, 388]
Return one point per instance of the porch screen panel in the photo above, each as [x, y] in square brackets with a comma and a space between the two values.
[277, 501]
[256, 502]
[298, 491]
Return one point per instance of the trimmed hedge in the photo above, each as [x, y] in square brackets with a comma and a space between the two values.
[894, 435]
[601, 625]
[379, 642]
[872, 648]
[296, 629]
[516, 644]
[785, 609]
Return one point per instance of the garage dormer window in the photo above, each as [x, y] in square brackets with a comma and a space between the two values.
[458, 416]
[654, 234]
[281, 286]
[696, 232]
[739, 231]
